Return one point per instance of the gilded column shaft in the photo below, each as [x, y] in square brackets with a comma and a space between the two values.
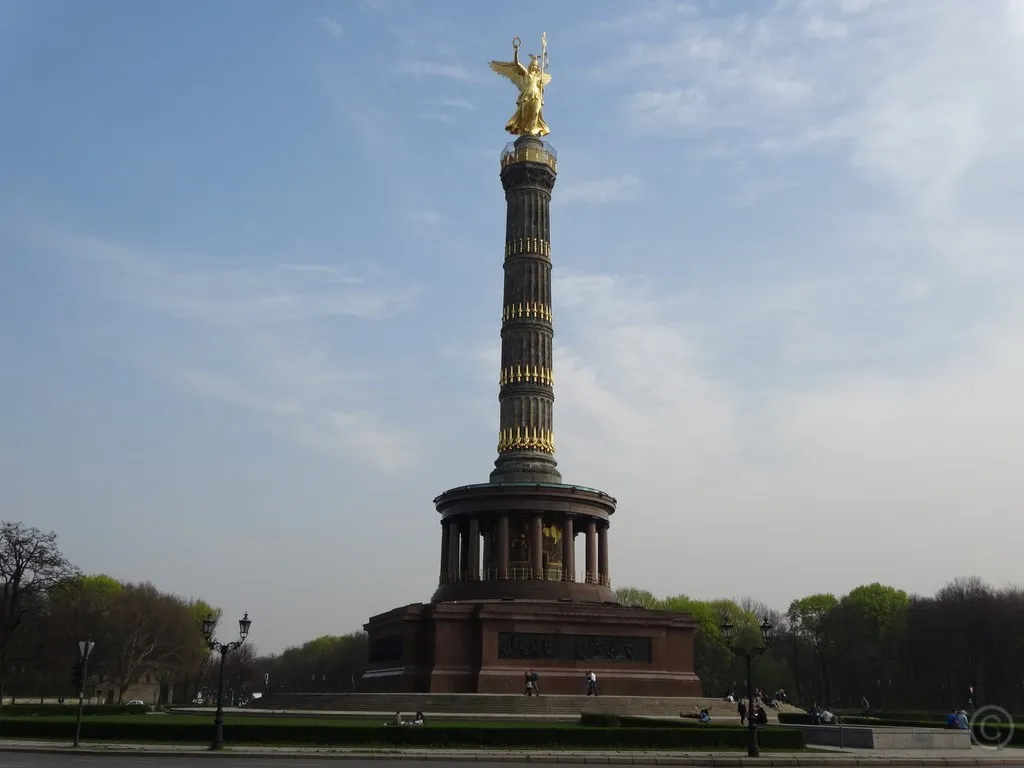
[526, 376]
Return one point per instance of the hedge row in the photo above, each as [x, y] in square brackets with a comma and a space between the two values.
[604, 720]
[797, 718]
[64, 710]
[151, 730]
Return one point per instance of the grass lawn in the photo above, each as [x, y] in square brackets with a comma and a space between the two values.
[277, 722]
[334, 722]
[248, 730]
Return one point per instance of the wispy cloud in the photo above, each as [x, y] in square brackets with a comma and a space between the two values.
[820, 29]
[668, 111]
[255, 338]
[906, 91]
[607, 190]
[438, 117]
[433, 69]
[333, 27]
[752, 191]
[460, 104]
[648, 411]
[852, 355]
[447, 111]
[275, 295]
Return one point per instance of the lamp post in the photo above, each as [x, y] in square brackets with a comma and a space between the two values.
[209, 627]
[84, 649]
[753, 750]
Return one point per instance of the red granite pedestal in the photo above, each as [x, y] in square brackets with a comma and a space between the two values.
[487, 646]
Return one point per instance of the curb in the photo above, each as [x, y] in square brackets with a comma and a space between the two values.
[721, 761]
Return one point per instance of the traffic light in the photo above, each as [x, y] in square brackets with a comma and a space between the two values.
[76, 676]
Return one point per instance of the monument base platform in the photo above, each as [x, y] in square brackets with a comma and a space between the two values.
[488, 646]
[485, 707]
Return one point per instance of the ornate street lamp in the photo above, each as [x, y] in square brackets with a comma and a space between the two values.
[209, 627]
[84, 649]
[753, 750]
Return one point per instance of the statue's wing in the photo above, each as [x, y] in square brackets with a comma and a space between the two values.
[514, 71]
[545, 79]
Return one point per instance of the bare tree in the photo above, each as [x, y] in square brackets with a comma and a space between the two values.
[239, 671]
[146, 630]
[30, 566]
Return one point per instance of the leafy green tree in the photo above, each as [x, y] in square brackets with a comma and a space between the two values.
[885, 607]
[636, 598]
[326, 663]
[807, 621]
[714, 663]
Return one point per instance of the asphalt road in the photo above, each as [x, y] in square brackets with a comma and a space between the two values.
[28, 760]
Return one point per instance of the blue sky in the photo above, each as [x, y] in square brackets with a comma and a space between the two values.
[250, 287]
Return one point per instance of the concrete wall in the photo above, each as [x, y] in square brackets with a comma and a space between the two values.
[869, 737]
[921, 738]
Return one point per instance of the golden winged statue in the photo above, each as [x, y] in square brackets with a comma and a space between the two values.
[528, 119]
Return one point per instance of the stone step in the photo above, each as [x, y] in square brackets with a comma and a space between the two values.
[503, 704]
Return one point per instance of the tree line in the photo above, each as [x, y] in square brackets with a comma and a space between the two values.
[899, 651]
[877, 642]
[47, 605]
[963, 646]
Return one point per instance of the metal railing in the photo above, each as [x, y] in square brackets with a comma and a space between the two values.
[546, 156]
[526, 574]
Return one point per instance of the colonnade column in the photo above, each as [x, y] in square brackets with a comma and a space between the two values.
[537, 547]
[503, 547]
[453, 549]
[446, 542]
[474, 549]
[463, 550]
[568, 551]
[591, 552]
[602, 553]
[488, 530]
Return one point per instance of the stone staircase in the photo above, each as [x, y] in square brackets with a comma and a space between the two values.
[507, 705]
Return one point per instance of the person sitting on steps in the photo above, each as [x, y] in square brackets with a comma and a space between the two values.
[699, 713]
